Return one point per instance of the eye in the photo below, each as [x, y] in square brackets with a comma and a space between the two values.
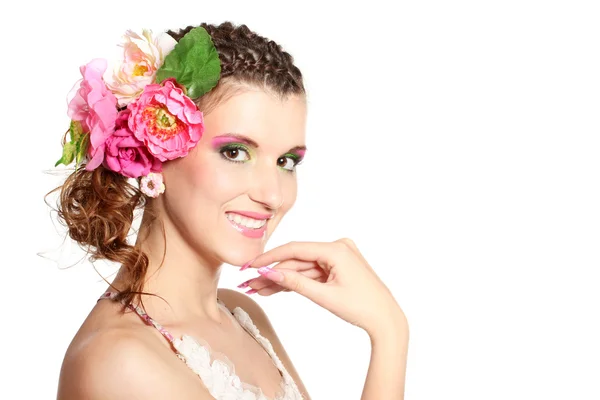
[235, 153]
[288, 162]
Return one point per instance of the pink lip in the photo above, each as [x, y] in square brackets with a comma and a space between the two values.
[249, 232]
[251, 214]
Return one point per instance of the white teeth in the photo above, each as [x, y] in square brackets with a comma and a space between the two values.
[245, 221]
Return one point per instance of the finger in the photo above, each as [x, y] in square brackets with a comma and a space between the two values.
[289, 264]
[318, 252]
[301, 266]
[297, 265]
[271, 290]
[262, 282]
[296, 282]
[275, 288]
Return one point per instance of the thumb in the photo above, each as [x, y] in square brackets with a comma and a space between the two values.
[293, 281]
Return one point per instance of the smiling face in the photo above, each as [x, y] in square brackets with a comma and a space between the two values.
[244, 164]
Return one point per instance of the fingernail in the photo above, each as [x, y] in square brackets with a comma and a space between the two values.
[244, 284]
[247, 265]
[251, 291]
[271, 274]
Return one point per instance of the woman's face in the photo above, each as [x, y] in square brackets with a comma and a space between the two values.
[243, 164]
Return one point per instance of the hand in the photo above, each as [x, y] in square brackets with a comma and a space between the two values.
[333, 275]
[267, 287]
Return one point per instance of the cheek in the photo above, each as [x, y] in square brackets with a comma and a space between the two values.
[290, 192]
[216, 180]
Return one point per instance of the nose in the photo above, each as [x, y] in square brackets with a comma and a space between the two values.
[266, 186]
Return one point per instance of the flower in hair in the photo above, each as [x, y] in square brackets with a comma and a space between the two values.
[126, 154]
[166, 121]
[144, 113]
[143, 55]
[152, 184]
[95, 108]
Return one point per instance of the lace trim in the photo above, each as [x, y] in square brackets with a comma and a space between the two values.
[218, 372]
[291, 391]
[215, 369]
[245, 320]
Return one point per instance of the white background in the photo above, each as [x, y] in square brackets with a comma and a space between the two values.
[456, 142]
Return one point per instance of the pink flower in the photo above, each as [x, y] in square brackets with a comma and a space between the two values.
[125, 154]
[96, 108]
[166, 121]
[152, 184]
[143, 55]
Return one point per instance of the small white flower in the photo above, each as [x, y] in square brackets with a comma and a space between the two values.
[152, 184]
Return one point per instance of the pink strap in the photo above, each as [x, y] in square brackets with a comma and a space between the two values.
[147, 319]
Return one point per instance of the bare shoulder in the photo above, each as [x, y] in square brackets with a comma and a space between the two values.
[119, 364]
[233, 299]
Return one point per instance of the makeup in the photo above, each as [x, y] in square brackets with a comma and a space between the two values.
[299, 150]
[219, 141]
[241, 144]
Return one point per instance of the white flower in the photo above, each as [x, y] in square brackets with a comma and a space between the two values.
[142, 57]
[152, 184]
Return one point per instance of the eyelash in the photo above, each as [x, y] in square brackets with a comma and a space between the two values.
[297, 160]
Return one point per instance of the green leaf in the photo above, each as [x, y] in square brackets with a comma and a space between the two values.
[76, 148]
[193, 62]
[81, 148]
[68, 154]
[76, 131]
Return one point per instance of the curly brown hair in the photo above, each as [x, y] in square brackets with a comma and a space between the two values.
[98, 206]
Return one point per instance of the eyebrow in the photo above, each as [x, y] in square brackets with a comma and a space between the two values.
[245, 139]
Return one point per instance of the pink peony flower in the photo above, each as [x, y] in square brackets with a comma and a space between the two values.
[166, 121]
[96, 108]
[152, 184]
[142, 57]
[125, 154]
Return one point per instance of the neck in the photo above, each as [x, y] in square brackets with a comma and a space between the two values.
[184, 277]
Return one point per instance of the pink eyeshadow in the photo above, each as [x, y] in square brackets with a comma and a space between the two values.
[300, 152]
[219, 141]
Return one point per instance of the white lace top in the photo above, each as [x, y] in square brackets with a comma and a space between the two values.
[215, 370]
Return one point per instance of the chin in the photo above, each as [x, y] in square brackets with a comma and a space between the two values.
[241, 248]
[237, 255]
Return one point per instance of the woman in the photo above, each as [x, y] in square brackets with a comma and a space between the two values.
[214, 183]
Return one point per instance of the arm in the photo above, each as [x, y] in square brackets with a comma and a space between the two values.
[389, 347]
[353, 292]
[387, 368]
[121, 366]
[233, 299]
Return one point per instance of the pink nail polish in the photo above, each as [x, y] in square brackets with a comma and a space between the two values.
[270, 273]
[264, 270]
[251, 291]
[247, 265]
[244, 284]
